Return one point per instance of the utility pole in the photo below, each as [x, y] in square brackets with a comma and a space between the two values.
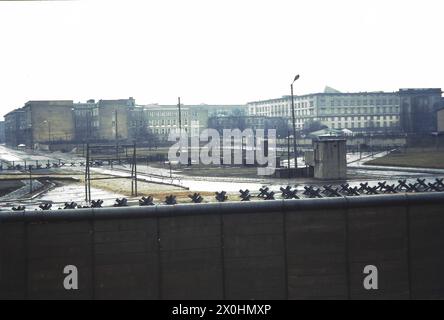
[88, 124]
[288, 151]
[117, 136]
[134, 172]
[30, 179]
[87, 176]
[115, 115]
[294, 125]
[86, 173]
[180, 127]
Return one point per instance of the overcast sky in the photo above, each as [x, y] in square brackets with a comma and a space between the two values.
[211, 51]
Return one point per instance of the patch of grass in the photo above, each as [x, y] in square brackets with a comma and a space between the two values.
[158, 191]
[424, 159]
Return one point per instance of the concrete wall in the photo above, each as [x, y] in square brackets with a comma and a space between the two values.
[295, 249]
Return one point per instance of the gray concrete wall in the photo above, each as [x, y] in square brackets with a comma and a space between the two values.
[292, 249]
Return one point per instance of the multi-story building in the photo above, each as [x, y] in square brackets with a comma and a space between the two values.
[2, 132]
[86, 122]
[220, 123]
[113, 118]
[137, 124]
[419, 108]
[162, 119]
[103, 120]
[65, 121]
[363, 111]
[15, 127]
[40, 122]
[440, 120]
[47, 121]
[216, 110]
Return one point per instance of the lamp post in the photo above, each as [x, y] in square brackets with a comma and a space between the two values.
[288, 152]
[89, 117]
[75, 123]
[117, 136]
[180, 129]
[294, 125]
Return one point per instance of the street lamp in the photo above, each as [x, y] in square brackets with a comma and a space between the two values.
[74, 136]
[180, 130]
[294, 125]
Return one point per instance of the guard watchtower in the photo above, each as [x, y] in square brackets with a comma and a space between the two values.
[330, 158]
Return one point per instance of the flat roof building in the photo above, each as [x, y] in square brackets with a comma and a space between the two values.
[162, 119]
[14, 127]
[103, 120]
[358, 111]
[2, 132]
[419, 109]
[40, 121]
[440, 120]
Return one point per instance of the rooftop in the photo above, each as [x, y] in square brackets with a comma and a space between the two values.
[333, 92]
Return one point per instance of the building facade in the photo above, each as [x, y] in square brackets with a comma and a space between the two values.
[217, 110]
[113, 118]
[419, 109]
[104, 120]
[15, 128]
[440, 120]
[138, 124]
[40, 122]
[2, 132]
[359, 112]
[65, 121]
[48, 121]
[86, 120]
[162, 119]
[280, 124]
